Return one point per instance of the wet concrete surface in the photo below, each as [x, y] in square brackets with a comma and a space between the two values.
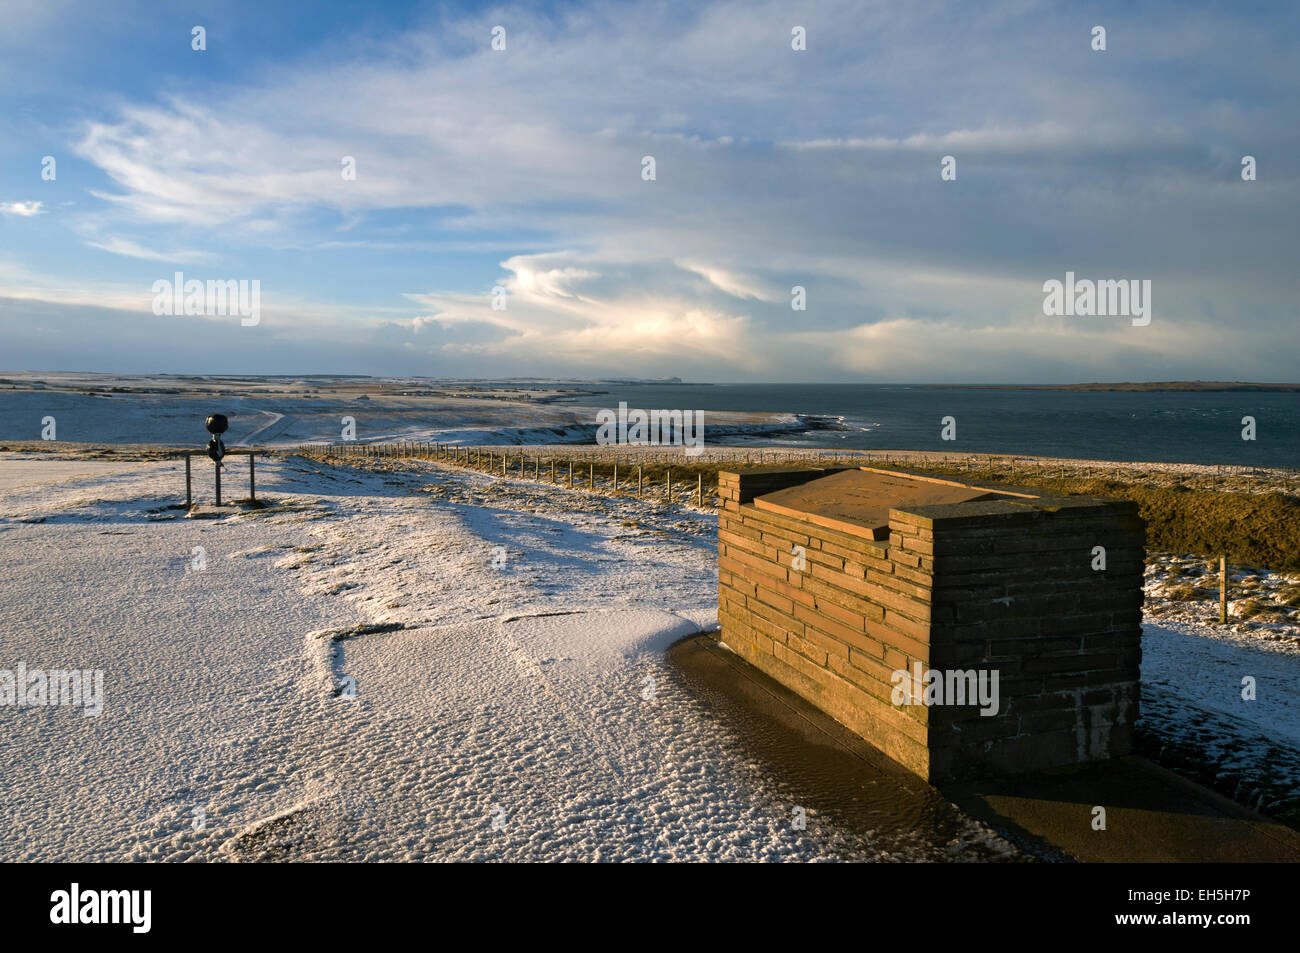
[840, 779]
[1150, 813]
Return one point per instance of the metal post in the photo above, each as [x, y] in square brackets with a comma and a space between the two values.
[218, 483]
[189, 494]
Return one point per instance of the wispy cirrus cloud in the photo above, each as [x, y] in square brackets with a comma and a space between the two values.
[124, 246]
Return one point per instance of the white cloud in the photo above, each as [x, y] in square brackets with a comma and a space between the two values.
[732, 282]
[124, 246]
[24, 209]
[593, 313]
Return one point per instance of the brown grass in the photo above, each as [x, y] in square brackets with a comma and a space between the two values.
[1260, 529]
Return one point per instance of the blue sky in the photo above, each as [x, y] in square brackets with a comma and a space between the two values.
[522, 169]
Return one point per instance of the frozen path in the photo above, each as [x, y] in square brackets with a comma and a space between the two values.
[264, 433]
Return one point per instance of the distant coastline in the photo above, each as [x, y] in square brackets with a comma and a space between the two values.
[1203, 386]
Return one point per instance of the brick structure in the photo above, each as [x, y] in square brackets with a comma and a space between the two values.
[831, 580]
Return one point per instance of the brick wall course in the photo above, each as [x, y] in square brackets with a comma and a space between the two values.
[980, 585]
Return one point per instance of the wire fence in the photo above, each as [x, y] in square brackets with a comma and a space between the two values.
[666, 471]
[669, 478]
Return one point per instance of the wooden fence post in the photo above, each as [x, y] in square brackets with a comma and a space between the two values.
[1223, 590]
[252, 478]
[189, 494]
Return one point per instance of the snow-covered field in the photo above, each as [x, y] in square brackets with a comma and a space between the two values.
[1261, 603]
[417, 663]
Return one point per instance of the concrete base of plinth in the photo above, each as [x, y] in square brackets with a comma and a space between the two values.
[1150, 813]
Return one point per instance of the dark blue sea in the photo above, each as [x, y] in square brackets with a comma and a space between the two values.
[1172, 426]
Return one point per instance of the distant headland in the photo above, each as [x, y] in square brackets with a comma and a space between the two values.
[1130, 386]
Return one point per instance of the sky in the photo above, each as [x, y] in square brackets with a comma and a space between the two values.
[523, 170]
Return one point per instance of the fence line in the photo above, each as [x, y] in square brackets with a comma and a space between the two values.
[521, 460]
[521, 463]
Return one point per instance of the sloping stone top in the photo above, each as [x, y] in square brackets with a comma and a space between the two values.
[858, 501]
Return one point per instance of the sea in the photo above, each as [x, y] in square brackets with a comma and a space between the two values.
[1204, 427]
[1149, 426]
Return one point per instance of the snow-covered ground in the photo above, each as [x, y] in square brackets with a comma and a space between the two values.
[411, 663]
[25, 470]
[1223, 706]
[1261, 603]
[417, 662]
